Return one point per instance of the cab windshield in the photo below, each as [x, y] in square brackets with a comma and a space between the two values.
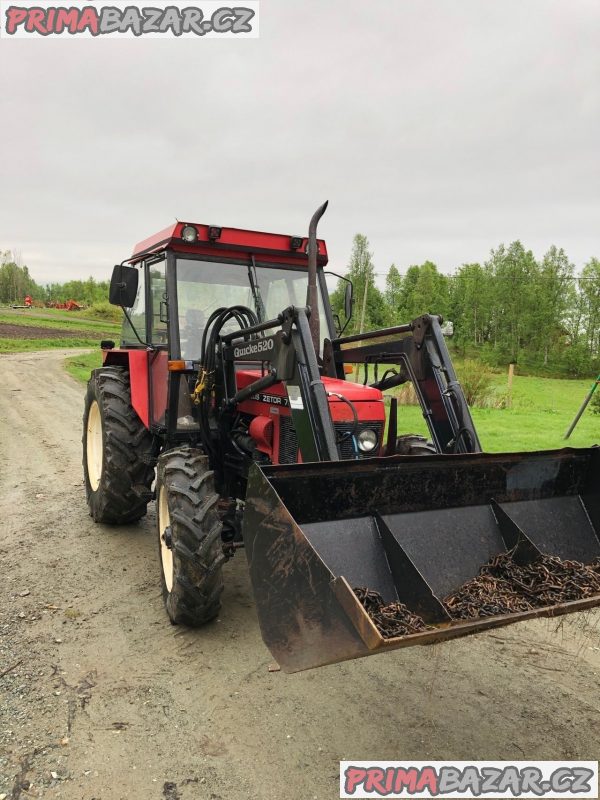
[204, 286]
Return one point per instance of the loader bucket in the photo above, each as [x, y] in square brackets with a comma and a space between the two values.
[414, 529]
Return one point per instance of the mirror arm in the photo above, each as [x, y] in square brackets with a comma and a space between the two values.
[148, 345]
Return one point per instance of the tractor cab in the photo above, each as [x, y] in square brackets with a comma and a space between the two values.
[196, 269]
[184, 275]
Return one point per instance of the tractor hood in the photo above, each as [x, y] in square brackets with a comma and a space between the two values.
[355, 392]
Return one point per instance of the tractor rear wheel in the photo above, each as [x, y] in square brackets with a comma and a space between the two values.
[117, 462]
[189, 537]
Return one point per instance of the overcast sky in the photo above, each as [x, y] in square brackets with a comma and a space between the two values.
[438, 128]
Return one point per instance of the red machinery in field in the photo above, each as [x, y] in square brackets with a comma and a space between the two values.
[68, 305]
[224, 381]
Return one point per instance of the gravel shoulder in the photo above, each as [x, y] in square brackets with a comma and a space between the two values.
[103, 698]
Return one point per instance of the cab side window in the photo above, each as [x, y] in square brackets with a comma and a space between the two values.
[158, 289]
[137, 315]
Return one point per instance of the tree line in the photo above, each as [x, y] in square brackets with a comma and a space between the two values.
[539, 314]
[16, 283]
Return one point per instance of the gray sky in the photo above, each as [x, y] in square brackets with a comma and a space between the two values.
[438, 128]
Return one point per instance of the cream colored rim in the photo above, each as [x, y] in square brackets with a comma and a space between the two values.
[94, 447]
[166, 554]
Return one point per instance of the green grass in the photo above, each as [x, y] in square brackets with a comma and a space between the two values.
[45, 318]
[31, 345]
[541, 412]
[83, 332]
[79, 367]
[504, 430]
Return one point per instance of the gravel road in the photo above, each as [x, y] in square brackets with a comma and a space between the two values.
[101, 698]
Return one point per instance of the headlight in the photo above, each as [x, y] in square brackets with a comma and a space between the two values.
[189, 234]
[367, 440]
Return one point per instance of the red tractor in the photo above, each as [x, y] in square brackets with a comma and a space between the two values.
[224, 382]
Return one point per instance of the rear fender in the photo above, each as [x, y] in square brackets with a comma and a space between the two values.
[136, 361]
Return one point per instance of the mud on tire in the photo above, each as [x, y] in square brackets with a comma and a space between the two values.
[117, 462]
[189, 537]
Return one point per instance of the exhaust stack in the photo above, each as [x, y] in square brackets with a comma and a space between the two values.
[312, 293]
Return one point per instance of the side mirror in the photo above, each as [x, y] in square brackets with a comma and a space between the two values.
[123, 286]
[348, 300]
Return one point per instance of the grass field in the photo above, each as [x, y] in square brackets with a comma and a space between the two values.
[542, 411]
[38, 329]
[56, 319]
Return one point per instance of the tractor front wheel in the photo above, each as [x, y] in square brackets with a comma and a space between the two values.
[189, 537]
[117, 462]
[412, 444]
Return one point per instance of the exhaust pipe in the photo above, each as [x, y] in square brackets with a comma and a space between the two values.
[312, 294]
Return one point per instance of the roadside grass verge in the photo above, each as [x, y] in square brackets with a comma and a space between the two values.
[79, 367]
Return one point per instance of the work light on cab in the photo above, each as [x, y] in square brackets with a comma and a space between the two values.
[189, 234]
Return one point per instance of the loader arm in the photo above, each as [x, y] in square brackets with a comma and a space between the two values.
[292, 361]
[419, 349]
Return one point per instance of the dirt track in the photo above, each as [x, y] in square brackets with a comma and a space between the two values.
[109, 701]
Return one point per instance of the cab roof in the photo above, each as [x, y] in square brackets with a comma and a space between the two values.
[231, 243]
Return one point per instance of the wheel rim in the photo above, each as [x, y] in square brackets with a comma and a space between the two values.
[164, 523]
[95, 449]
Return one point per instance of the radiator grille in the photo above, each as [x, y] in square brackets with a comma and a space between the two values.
[288, 441]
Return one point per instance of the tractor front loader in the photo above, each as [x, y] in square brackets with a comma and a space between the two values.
[224, 383]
